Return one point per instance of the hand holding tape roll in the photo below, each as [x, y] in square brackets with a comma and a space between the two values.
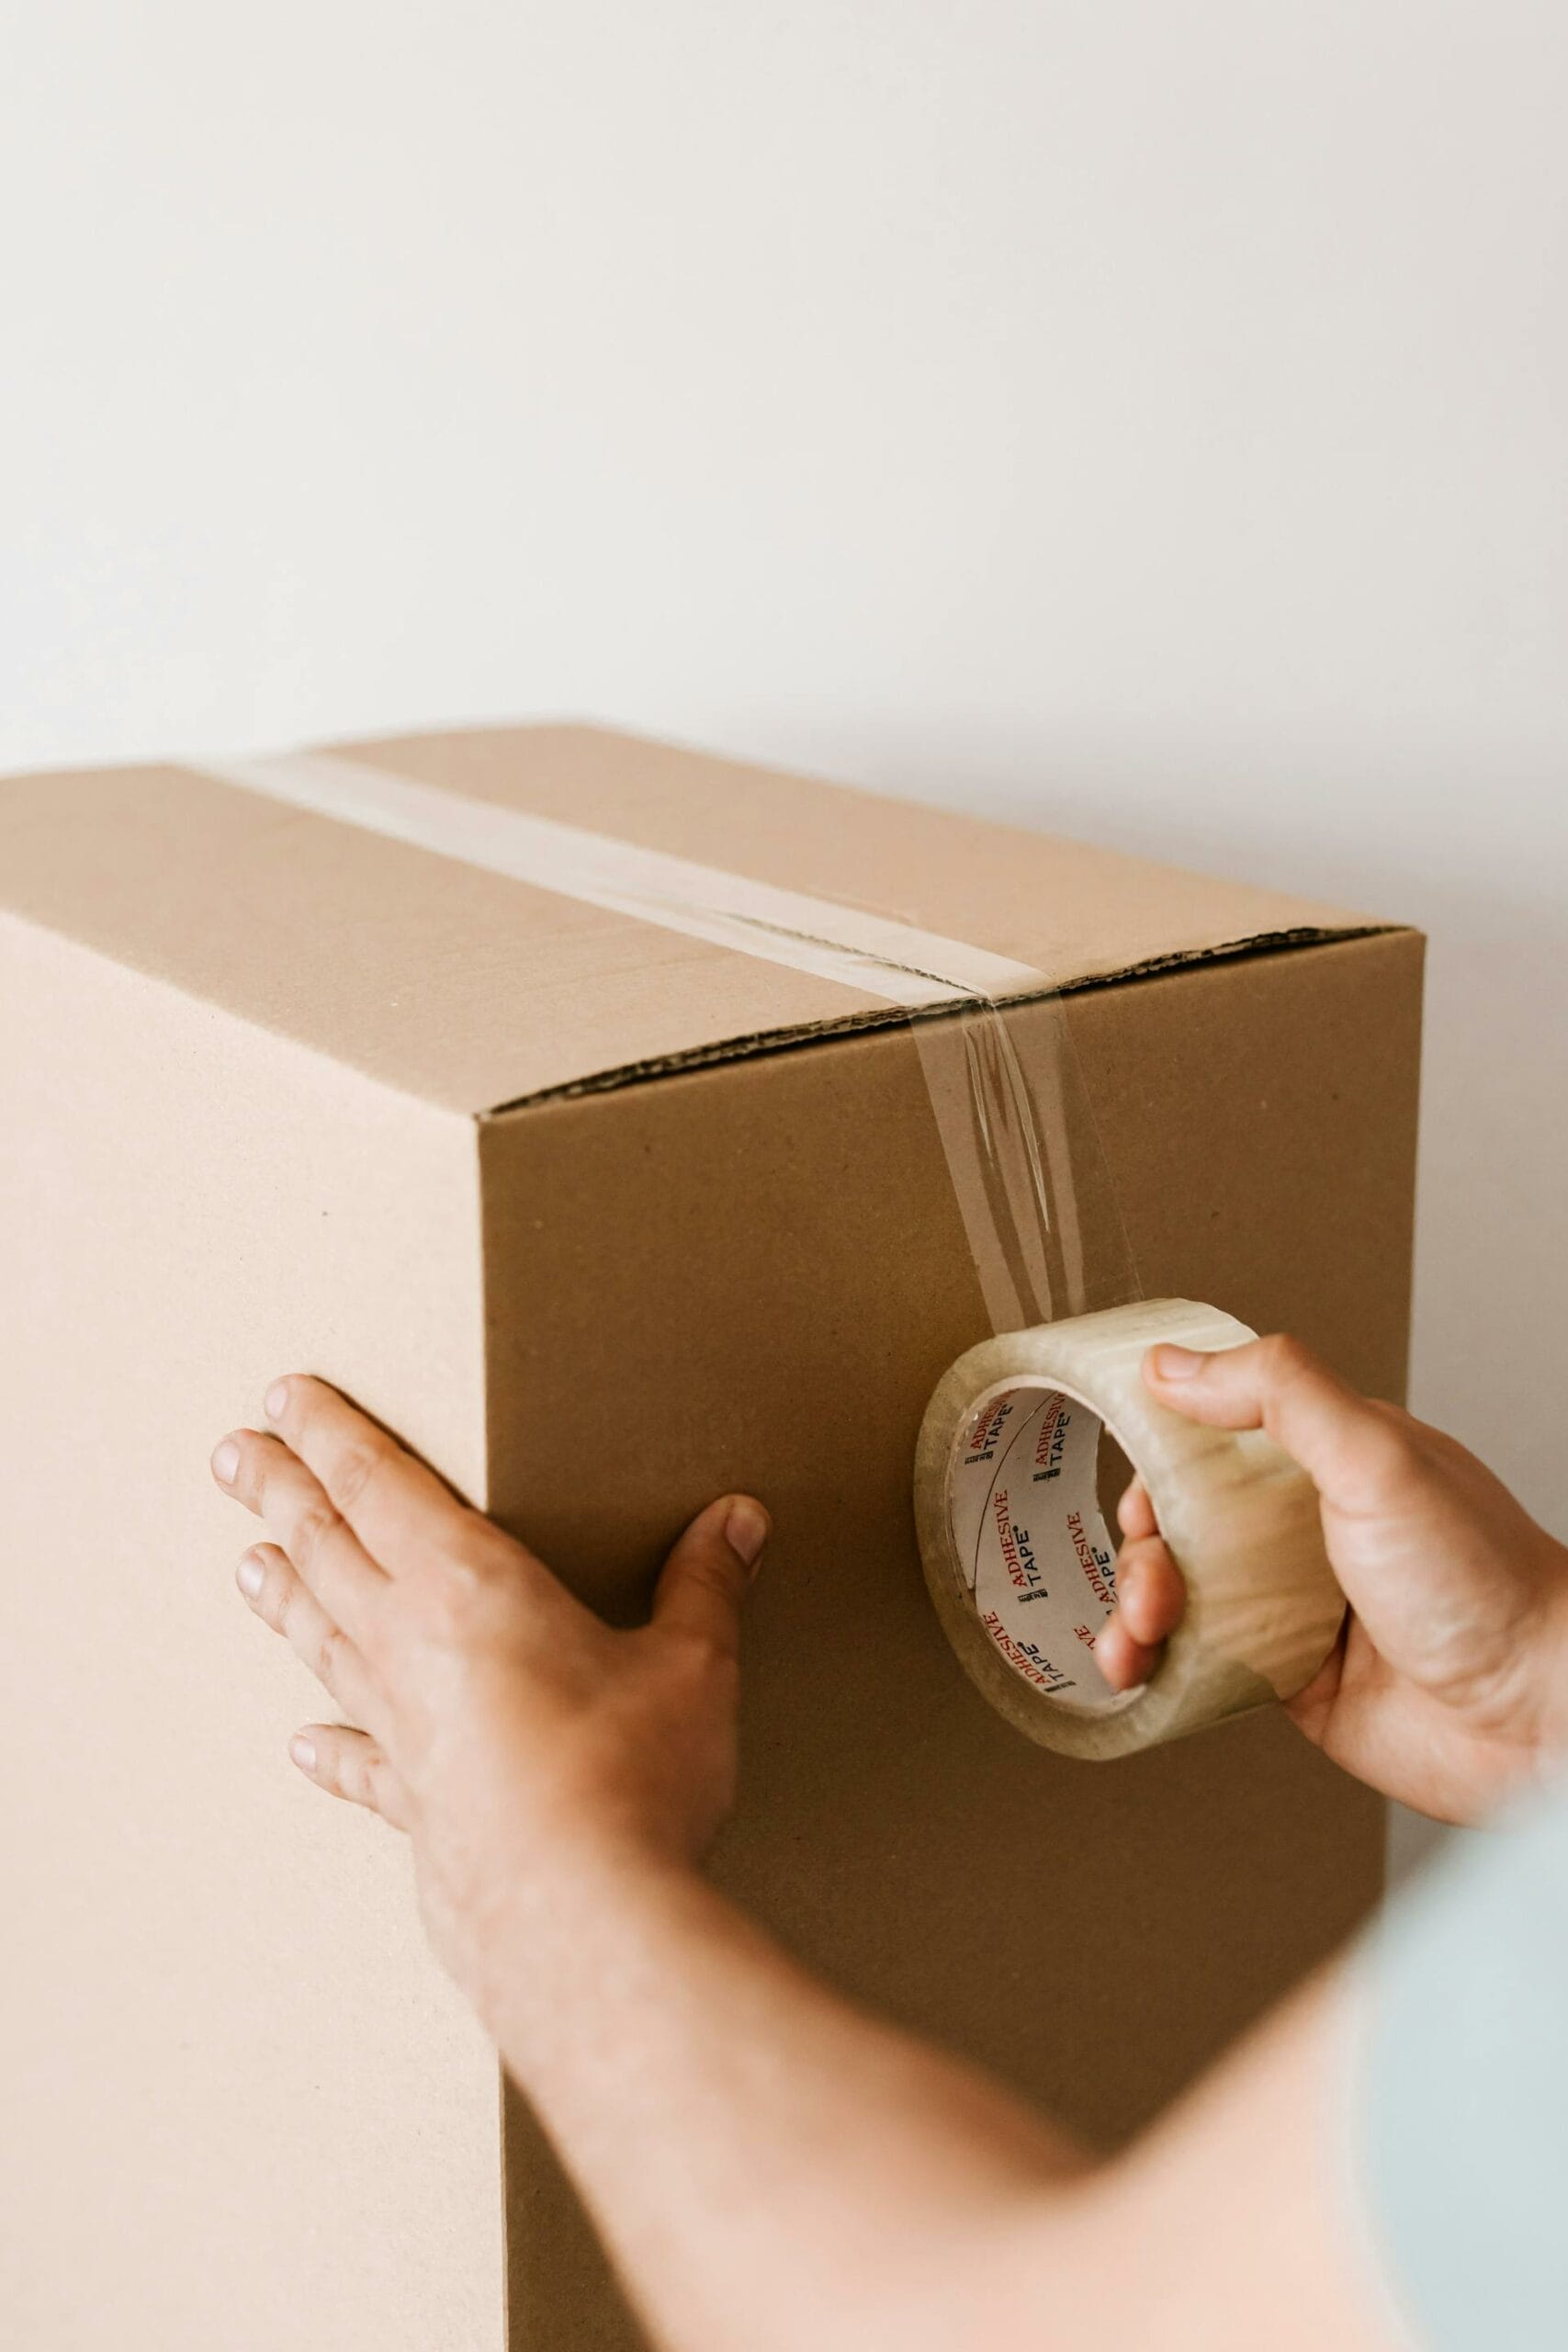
[1020, 1564]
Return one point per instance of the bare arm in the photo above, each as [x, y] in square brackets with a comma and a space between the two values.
[770, 2168]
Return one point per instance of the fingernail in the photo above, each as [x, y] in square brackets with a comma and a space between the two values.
[303, 1752]
[226, 1461]
[274, 1400]
[746, 1530]
[1170, 1362]
[250, 1576]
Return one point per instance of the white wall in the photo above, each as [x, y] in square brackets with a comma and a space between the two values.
[1141, 417]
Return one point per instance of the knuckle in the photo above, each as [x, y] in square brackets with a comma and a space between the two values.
[1404, 1435]
[380, 1639]
[476, 1549]
[1285, 1359]
[1136, 1552]
[708, 1650]
[1400, 1429]
[1380, 1451]
[356, 1462]
[465, 1575]
[330, 1653]
[312, 1531]
[713, 1580]
[372, 1780]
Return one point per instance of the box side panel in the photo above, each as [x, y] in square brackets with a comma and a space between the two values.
[761, 1273]
[242, 2110]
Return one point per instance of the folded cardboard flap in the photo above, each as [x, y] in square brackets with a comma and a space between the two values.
[782, 1038]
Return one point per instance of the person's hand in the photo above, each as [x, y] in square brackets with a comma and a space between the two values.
[492, 1716]
[1450, 1684]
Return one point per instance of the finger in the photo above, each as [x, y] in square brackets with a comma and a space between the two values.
[398, 1508]
[1135, 1513]
[1151, 1592]
[350, 1765]
[1151, 1598]
[261, 1473]
[1311, 1708]
[1124, 1663]
[281, 1600]
[1346, 1445]
[706, 1576]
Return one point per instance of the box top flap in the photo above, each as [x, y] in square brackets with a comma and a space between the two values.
[369, 903]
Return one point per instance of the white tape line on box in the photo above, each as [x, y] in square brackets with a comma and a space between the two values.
[895, 961]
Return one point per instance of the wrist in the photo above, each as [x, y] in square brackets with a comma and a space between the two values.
[528, 1926]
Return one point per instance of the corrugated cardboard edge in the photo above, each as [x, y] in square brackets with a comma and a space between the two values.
[756, 1044]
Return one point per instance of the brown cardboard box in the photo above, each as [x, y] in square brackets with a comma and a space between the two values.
[605, 1219]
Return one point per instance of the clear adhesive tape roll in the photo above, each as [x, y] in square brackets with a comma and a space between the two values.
[1021, 1564]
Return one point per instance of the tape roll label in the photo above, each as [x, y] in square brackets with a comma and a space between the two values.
[1027, 1525]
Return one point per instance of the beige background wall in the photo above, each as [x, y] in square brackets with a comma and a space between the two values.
[1144, 418]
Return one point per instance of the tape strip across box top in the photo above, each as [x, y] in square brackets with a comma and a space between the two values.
[568, 1100]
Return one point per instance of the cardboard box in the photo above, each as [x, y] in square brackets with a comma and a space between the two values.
[605, 1219]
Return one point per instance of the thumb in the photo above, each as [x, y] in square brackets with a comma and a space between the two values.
[705, 1579]
[1346, 1443]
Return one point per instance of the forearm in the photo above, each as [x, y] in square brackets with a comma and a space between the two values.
[768, 2165]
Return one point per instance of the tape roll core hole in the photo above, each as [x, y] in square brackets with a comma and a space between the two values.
[1031, 1489]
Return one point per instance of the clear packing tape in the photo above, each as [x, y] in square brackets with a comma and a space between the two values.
[1017, 1555]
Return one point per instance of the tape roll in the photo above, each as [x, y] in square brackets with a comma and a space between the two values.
[1021, 1566]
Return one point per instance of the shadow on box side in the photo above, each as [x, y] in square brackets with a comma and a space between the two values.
[753, 1275]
